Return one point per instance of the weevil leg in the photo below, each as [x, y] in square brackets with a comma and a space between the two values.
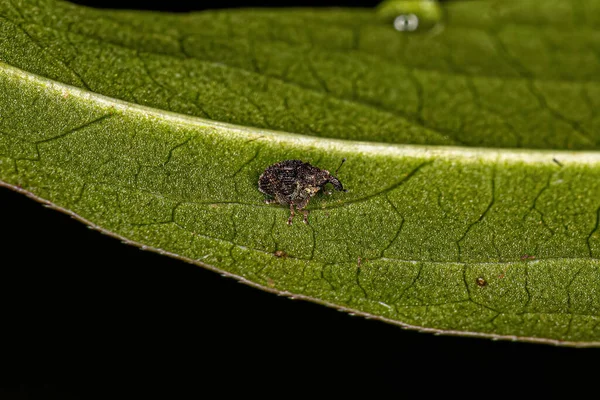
[305, 212]
[271, 201]
[292, 213]
[300, 207]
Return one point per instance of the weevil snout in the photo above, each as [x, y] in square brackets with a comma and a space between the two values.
[335, 181]
[337, 184]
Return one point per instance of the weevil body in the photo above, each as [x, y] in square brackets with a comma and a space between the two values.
[294, 183]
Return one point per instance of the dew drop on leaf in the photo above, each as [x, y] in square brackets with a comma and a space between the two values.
[409, 22]
[410, 15]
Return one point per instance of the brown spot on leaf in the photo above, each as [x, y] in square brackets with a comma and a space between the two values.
[280, 254]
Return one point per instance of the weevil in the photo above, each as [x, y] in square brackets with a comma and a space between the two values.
[294, 183]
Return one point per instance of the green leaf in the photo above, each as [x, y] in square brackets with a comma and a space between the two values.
[474, 199]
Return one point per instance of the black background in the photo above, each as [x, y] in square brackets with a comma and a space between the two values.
[85, 308]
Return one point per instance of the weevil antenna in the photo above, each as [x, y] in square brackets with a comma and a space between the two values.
[342, 163]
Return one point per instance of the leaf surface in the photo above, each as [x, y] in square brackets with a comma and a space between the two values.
[472, 151]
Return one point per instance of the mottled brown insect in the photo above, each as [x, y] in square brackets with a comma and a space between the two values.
[294, 183]
[481, 282]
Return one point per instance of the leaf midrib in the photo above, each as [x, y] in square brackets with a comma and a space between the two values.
[465, 153]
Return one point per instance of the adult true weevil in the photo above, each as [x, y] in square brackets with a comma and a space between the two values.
[294, 183]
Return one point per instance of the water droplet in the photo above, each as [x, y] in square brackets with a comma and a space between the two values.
[411, 15]
[408, 22]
